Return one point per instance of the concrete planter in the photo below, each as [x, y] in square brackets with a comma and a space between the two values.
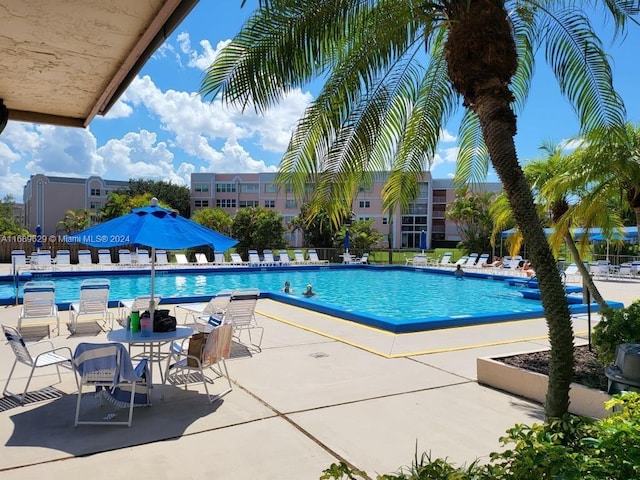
[583, 400]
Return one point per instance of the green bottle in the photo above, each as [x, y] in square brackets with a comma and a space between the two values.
[135, 322]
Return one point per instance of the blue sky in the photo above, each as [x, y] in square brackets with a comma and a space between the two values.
[161, 129]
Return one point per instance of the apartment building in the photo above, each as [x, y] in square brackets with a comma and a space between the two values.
[46, 198]
[232, 191]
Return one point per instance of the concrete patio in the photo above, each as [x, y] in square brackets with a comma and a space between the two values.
[321, 390]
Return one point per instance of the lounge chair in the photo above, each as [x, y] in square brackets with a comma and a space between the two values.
[107, 367]
[313, 258]
[201, 259]
[347, 258]
[236, 260]
[142, 258]
[571, 273]
[84, 258]
[161, 257]
[471, 261]
[461, 261]
[299, 257]
[44, 260]
[39, 302]
[58, 357]
[482, 260]
[283, 257]
[93, 302]
[104, 258]
[364, 259]
[211, 358]
[446, 259]
[124, 257]
[254, 258]
[181, 259]
[635, 268]
[218, 258]
[63, 259]
[268, 257]
[18, 260]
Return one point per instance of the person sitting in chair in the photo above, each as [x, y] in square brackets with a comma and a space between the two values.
[497, 262]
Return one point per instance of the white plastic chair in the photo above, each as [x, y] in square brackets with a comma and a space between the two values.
[268, 257]
[18, 261]
[212, 358]
[241, 313]
[93, 302]
[44, 259]
[39, 302]
[254, 258]
[284, 258]
[299, 257]
[200, 313]
[181, 259]
[161, 257]
[108, 368]
[60, 356]
[236, 260]
[218, 258]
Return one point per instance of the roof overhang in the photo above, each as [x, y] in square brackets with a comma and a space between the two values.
[65, 62]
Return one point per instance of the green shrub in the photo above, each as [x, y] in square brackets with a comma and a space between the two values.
[617, 326]
[568, 448]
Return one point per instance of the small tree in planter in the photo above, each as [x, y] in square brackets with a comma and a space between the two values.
[617, 326]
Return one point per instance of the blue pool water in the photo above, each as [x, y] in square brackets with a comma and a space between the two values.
[397, 299]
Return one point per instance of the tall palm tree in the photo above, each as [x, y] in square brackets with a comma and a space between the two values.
[607, 166]
[395, 72]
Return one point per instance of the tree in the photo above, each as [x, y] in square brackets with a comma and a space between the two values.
[117, 204]
[214, 218]
[76, 220]
[317, 229]
[361, 236]
[257, 228]
[384, 103]
[176, 196]
[9, 224]
[470, 212]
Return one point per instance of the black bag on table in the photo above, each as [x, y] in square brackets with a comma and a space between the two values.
[163, 322]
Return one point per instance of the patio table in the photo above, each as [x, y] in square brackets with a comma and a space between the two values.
[151, 342]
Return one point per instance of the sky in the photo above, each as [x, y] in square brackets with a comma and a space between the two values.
[161, 129]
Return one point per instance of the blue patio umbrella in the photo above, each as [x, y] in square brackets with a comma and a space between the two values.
[155, 227]
[38, 242]
[346, 241]
[423, 241]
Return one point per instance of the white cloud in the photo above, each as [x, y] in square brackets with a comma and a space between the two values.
[119, 110]
[446, 136]
[200, 60]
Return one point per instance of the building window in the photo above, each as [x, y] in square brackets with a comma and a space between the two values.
[249, 188]
[225, 187]
[248, 203]
[385, 221]
[270, 188]
[269, 204]
[95, 205]
[365, 204]
[201, 187]
[226, 202]
[201, 203]
[95, 192]
[363, 189]
[290, 204]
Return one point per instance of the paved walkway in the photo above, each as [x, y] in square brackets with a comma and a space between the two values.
[320, 391]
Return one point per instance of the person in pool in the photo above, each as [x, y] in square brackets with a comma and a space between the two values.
[309, 291]
[287, 287]
[459, 273]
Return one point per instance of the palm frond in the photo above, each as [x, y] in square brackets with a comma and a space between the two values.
[473, 157]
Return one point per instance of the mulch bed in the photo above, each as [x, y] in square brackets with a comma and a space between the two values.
[587, 370]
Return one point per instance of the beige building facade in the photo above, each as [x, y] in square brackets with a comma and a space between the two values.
[46, 198]
[232, 191]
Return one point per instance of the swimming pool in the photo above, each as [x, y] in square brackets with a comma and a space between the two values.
[398, 299]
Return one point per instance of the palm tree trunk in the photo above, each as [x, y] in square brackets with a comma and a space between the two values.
[481, 60]
[586, 277]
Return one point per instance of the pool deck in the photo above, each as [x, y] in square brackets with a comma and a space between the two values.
[321, 390]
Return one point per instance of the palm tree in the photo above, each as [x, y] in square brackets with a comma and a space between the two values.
[384, 101]
[607, 165]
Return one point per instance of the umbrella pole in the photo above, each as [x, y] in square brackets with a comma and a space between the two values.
[152, 303]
